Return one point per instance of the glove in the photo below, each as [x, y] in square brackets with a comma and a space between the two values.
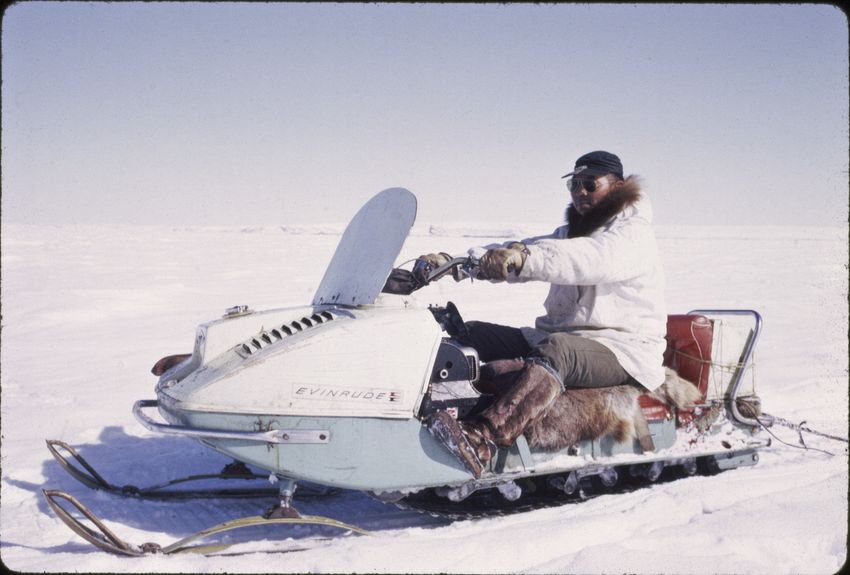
[401, 282]
[425, 264]
[497, 263]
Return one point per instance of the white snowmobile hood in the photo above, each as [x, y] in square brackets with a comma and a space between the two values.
[363, 362]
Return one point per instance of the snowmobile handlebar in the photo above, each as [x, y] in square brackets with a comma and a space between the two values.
[461, 267]
[405, 282]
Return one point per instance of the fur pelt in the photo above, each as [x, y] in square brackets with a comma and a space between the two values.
[676, 391]
[579, 414]
[586, 414]
[615, 202]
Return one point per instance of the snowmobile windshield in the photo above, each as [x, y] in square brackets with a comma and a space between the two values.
[367, 250]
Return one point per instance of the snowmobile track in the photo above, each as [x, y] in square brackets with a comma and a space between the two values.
[538, 494]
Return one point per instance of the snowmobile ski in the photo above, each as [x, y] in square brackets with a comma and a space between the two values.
[105, 539]
[86, 474]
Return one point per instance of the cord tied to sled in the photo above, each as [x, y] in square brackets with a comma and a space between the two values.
[766, 421]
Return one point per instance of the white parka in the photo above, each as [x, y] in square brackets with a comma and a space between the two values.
[607, 286]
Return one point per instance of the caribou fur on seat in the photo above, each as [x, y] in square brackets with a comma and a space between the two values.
[581, 414]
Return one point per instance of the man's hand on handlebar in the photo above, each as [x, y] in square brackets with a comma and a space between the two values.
[427, 263]
[428, 268]
[497, 263]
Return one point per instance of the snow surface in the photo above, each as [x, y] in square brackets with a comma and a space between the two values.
[87, 310]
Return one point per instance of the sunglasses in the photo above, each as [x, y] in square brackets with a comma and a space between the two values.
[575, 184]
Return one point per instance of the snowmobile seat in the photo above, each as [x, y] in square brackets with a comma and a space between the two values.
[168, 362]
[688, 353]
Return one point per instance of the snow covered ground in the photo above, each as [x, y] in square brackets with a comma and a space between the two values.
[87, 311]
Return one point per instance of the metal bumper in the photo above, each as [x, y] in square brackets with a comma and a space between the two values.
[279, 436]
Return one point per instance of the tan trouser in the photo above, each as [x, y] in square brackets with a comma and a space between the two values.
[579, 361]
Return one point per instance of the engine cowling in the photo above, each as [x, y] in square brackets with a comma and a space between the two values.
[361, 362]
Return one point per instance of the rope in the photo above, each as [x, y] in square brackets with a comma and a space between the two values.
[404, 263]
[799, 430]
[700, 351]
[800, 427]
[712, 363]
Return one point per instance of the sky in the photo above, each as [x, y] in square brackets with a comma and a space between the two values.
[288, 113]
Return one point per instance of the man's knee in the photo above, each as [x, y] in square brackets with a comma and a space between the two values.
[558, 350]
[581, 362]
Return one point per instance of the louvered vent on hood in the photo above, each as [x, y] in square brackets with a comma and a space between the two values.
[278, 333]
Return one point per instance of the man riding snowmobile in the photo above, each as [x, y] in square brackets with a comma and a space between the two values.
[568, 399]
[605, 315]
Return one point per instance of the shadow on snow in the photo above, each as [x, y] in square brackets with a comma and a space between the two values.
[123, 459]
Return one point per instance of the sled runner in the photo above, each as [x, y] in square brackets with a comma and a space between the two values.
[337, 393]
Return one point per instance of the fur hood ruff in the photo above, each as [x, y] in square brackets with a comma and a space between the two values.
[615, 202]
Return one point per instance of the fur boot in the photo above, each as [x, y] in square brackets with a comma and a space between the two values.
[531, 395]
[496, 376]
[471, 443]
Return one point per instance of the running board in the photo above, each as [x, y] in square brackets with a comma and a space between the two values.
[282, 436]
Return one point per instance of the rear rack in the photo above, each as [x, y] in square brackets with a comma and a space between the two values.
[746, 354]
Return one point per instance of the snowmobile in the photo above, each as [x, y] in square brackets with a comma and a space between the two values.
[338, 393]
